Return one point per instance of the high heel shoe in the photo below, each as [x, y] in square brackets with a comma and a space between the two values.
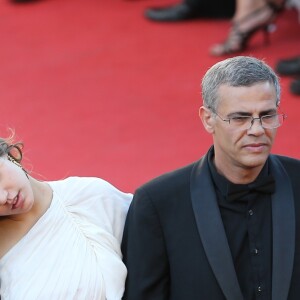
[242, 30]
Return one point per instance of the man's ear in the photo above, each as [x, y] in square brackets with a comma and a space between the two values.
[207, 119]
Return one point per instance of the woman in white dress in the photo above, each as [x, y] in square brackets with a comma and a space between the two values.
[59, 239]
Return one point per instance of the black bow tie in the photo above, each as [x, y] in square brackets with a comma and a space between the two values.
[238, 191]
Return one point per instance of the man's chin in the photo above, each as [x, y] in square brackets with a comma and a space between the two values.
[255, 161]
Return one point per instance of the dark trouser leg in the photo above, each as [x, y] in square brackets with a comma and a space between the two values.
[212, 8]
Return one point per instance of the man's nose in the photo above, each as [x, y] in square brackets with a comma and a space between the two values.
[256, 126]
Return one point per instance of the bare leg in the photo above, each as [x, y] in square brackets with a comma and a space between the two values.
[246, 7]
[250, 16]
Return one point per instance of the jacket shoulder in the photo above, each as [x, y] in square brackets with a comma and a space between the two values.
[290, 164]
[291, 167]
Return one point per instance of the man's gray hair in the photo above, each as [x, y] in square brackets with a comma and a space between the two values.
[237, 71]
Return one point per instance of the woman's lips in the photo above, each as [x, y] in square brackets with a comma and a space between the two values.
[17, 201]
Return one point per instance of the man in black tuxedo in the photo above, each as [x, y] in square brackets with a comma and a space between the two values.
[228, 225]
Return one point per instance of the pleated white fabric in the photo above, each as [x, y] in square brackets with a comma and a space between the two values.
[73, 251]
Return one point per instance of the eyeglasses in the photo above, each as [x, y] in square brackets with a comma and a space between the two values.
[246, 122]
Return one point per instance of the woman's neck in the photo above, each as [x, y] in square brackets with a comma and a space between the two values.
[13, 228]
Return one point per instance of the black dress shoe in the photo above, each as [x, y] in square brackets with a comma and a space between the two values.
[289, 66]
[295, 87]
[179, 12]
[25, 2]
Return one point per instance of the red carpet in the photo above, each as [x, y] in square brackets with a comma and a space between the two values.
[94, 89]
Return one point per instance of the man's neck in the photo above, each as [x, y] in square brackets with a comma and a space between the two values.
[237, 174]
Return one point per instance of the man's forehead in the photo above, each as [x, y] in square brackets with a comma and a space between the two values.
[258, 83]
[247, 98]
[227, 91]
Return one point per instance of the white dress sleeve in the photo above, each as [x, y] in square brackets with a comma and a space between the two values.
[99, 210]
[96, 202]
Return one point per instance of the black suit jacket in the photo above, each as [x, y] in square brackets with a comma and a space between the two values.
[175, 246]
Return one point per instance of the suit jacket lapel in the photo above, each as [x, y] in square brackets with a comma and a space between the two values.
[283, 217]
[211, 230]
